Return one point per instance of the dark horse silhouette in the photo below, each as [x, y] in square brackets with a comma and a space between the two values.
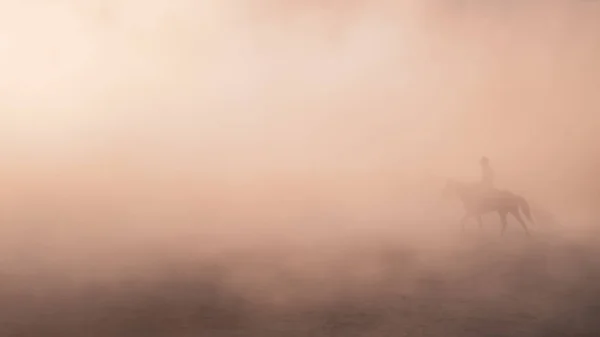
[479, 200]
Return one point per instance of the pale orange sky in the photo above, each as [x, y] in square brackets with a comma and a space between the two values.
[192, 124]
[231, 86]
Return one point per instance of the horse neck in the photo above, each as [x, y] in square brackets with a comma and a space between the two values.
[462, 190]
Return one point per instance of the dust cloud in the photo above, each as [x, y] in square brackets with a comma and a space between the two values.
[268, 168]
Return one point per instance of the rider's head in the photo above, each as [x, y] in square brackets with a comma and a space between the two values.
[484, 161]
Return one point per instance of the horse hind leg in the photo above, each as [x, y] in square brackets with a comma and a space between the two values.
[503, 221]
[517, 216]
[463, 221]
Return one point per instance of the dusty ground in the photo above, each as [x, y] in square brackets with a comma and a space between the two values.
[481, 286]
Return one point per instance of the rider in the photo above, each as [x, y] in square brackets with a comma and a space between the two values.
[487, 173]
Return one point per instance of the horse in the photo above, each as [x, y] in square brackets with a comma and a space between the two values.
[478, 200]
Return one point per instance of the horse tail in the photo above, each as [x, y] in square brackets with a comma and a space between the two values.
[524, 206]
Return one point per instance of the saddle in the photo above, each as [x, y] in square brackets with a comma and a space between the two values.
[491, 193]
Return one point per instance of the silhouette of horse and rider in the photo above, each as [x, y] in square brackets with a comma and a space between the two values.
[483, 197]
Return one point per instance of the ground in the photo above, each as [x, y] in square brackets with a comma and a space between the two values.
[482, 286]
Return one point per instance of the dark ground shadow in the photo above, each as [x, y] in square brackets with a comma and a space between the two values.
[503, 289]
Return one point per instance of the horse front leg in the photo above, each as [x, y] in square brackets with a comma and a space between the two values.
[503, 220]
[464, 220]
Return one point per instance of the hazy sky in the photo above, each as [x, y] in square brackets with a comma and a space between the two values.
[335, 85]
[188, 124]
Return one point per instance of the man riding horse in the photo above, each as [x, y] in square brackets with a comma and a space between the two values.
[482, 198]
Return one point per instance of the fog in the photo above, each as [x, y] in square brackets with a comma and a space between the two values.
[292, 155]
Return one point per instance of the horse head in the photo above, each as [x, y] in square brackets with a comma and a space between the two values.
[450, 188]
